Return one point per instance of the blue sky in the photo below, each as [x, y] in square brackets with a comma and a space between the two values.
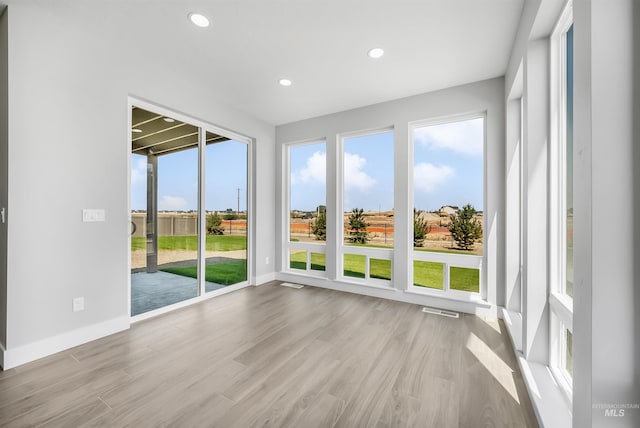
[226, 166]
[569, 155]
[448, 169]
[368, 172]
[448, 165]
[308, 176]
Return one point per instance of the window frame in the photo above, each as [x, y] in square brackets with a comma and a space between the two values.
[560, 303]
[368, 252]
[203, 128]
[308, 247]
[449, 260]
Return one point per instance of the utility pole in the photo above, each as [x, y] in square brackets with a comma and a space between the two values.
[238, 211]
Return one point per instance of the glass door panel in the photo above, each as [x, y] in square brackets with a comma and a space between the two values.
[226, 212]
[164, 219]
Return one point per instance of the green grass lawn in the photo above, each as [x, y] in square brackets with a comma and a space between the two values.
[378, 268]
[425, 274]
[428, 274]
[225, 273]
[454, 251]
[464, 279]
[190, 243]
[299, 261]
[353, 264]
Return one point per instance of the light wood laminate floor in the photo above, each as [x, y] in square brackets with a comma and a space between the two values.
[279, 357]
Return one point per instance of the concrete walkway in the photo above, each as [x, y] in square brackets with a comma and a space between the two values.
[151, 291]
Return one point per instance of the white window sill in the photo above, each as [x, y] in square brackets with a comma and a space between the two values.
[547, 397]
[458, 296]
[371, 283]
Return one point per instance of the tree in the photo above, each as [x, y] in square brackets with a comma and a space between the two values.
[465, 227]
[420, 228]
[214, 224]
[358, 227]
[320, 227]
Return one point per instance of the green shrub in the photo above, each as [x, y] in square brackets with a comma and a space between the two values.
[214, 224]
[358, 227]
[465, 227]
[320, 227]
[420, 228]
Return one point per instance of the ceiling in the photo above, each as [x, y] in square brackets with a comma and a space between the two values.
[152, 133]
[320, 45]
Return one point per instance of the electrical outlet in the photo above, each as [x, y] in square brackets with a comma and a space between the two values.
[266, 260]
[78, 304]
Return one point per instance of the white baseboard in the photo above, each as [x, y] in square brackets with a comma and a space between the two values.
[263, 279]
[17, 356]
[2, 352]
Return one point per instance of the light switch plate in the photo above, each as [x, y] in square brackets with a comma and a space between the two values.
[93, 215]
[78, 304]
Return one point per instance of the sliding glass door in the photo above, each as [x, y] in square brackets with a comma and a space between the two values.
[188, 211]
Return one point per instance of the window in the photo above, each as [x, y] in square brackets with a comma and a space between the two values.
[448, 204]
[367, 207]
[561, 202]
[307, 207]
[568, 354]
[568, 165]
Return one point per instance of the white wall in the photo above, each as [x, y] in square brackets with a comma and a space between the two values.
[513, 261]
[535, 202]
[70, 74]
[536, 22]
[528, 77]
[606, 322]
[4, 115]
[477, 97]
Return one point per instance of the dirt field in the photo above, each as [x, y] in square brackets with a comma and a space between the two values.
[381, 231]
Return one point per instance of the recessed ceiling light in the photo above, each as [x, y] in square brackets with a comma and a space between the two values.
[168, 119]
[375, 52]
[285, 82]
[199, 20]
[136, 130]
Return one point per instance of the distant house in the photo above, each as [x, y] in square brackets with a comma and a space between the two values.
[447, 210]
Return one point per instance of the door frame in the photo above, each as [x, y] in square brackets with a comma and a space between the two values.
[203, 128]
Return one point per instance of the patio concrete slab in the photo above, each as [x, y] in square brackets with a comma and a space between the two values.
[151, 291]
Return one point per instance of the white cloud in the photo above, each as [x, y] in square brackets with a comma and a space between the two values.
[139, 171]
[354, 176]
[314, 170]
[466, 137]
[172, 203]
[426, 177]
